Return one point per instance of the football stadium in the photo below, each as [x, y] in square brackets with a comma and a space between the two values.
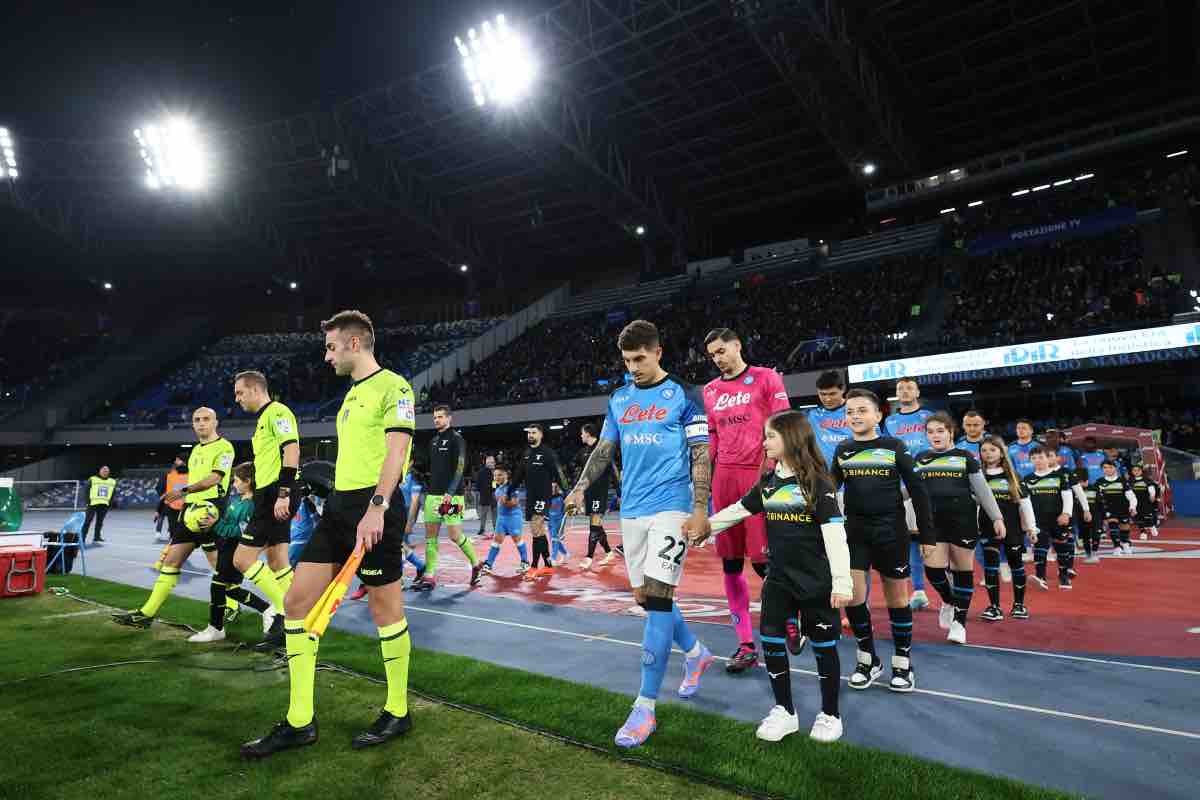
[600, 399]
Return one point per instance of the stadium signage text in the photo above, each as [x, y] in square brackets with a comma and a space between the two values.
[1121, 348]
[1068, 228]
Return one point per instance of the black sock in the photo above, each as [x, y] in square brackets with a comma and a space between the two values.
[541, 547]
[604, 539]
[860, 623]
[594, 534]
[216, 604]
[776, 658]
[1065, 552]
[964, 588]
[936, 577]
[1087, 544]
[1114, 534]
[1124, 536]
[1017, 565]
[1040, 548]
[829, 669]
[902, 630]
[247, 598]
[535, 552]
[991, 572]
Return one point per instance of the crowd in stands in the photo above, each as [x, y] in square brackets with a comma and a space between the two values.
[130, 493]
[292, 362]
[1076, 286]
[30, 365]
[795, 324]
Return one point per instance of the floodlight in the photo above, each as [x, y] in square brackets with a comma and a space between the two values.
[463, 268]
[8, 155]
[640, 230]
[497, 62]
[293, 286]
[174, 153]
[868, 168]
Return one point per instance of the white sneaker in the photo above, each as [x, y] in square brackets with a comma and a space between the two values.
[1117, 551]
[1005, 572]
[1053, 556]
[919, 600]
[1127, 548]
[269, 618]
[826, 728]
[983, 584]
[1143, 537]
[608, 559]
[209, 634]
[1092, 559]
[1041, 582]
[1154, 532]
[778, 724]
[1027, 556]
[957, 634]
[945, 616]
[585, 564]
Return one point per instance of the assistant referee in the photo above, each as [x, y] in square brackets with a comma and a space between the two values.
[374, 428]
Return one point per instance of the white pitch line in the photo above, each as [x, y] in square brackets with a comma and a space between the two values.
[1154, 667]
[77, 613]
[947, 695]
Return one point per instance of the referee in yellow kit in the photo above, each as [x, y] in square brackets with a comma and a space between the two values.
[374, 428]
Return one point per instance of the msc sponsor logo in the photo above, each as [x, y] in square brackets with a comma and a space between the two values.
[642, 438]
[736, 419]
[635, 413]
[1032, 354]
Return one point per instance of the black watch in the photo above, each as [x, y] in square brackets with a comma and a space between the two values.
[379, 501]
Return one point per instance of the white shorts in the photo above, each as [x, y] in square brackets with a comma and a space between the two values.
[655, 547]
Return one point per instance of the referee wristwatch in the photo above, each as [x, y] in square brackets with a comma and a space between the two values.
[380, 502]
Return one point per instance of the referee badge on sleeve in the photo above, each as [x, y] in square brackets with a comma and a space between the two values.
[405, 412]
[283, 425]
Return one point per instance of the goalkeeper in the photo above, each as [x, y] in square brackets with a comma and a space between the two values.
[212, 457]
[227, 581]
[444, 498]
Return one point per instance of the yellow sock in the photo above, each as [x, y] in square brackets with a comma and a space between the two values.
[396, 646]
[284, 577]
[302, 667]
[167, 578]
[262, 577]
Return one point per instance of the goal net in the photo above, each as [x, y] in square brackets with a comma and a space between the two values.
[50, 495]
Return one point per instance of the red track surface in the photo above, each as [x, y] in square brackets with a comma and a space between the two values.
[1122, 606]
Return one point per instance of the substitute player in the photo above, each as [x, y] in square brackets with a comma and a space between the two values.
[212, 457]
[374, 427]
[276, 446]
[444, 497]
[658, 423]
[737, 405]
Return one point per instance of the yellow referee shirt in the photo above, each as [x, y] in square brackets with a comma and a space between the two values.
[376, 405]
[207, 458]
[276, 428]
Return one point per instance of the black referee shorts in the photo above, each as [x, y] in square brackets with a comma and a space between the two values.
[205, 540]
[336, 534]
[263, 530]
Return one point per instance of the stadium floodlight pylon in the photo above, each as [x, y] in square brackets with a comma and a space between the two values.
[497, 62]
[175, 154]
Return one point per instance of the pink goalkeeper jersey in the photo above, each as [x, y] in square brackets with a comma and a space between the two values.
[737, 408]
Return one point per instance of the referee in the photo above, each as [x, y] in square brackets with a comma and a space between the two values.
[374, 427]
[276, 445]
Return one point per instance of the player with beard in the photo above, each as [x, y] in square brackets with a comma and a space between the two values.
[737, 405]
[538, 471]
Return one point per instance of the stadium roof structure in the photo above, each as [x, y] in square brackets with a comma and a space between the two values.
[704, 122]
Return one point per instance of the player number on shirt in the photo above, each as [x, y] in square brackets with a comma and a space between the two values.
[665, 553]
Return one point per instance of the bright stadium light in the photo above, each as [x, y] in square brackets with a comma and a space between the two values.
[293, 286]
[497, 62]
[1177, 153]
[640, 230]
[868, 168]
[8, 155]
[108, 286]
[463, 268]
[974, 203]
[1020, 192]
[174, 154]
